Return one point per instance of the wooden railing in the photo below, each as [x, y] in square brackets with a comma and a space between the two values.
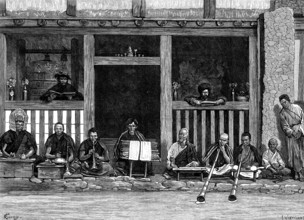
[205, 124]
[42, 117]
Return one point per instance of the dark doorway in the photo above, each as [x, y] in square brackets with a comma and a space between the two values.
[122, 92]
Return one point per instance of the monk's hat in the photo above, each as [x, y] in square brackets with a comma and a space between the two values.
[17, 115]
[62, 74]
[204, 86]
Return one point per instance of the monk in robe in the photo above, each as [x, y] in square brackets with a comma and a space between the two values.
[249, 156]
[130, 134]
[62, 90]
[60, 145]
[224, 163]
[181, 154]
[94, 156]
[19, 143]
[205, 97]
[273, 163]
[292, 124]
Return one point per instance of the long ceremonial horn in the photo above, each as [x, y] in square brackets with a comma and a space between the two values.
[232, 196]
[201, 197]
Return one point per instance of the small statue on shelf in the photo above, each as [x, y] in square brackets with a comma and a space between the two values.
[175, 87]
[11, 83]
[25, 83]
[130, 53]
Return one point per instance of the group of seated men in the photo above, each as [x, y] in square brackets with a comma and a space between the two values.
[270, 165]
[90, 159]
[92, 156]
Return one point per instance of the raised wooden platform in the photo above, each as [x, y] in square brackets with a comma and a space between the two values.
[189, 170]
[55, 171]
[10, 167]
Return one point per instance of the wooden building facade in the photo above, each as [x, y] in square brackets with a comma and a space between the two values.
[83, 23]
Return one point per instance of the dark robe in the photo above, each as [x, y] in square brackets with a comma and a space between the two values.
[249, 159]
[186, 156]
[61, 89]
[102, 167]
[60, 145]
[211, 154]
[18, 143]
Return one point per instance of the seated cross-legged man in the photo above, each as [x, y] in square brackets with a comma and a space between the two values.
[18, 143]
[122, 165]
[94, 156]
[273, 163]
[181, 154]
[224, 163]
[249, 156]
[60, 146]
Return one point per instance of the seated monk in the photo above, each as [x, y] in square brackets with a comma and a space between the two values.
[249, 156]
[273, 163]
[224, 163]
[205, 97]
[62, 90]
[60, 145]
[94, 156]
[18, 143]
[181, 154]
[130, 134]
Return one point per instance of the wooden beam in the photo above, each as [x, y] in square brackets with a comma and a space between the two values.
[126, 61]
[89, 82]
[38, 105]
[20, 67]
[3, 63]
[166, 118]
[254, 90]
[209, 8]
[71, 8]
[204, 32]
[143, 9]
[182, 105]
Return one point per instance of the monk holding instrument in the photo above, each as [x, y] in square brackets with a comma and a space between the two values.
[94, 156]
[224, 162]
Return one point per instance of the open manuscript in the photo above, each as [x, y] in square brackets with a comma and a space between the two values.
[137, 150]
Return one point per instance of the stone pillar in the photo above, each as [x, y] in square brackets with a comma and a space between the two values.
[279, 69]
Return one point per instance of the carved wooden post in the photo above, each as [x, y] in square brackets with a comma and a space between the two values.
[254, 91]
[165, 95]
[3, 51]
[20, 68]
[89, 80]
[71, 7]
[2, 7]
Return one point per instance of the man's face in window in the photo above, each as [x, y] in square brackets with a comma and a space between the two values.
[63, 80]
[205, 93]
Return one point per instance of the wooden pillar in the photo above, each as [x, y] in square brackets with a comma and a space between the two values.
[254, 102]
[165, 95]
[74, 63]
[3, 61]
[89, 82]
[20, 67]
